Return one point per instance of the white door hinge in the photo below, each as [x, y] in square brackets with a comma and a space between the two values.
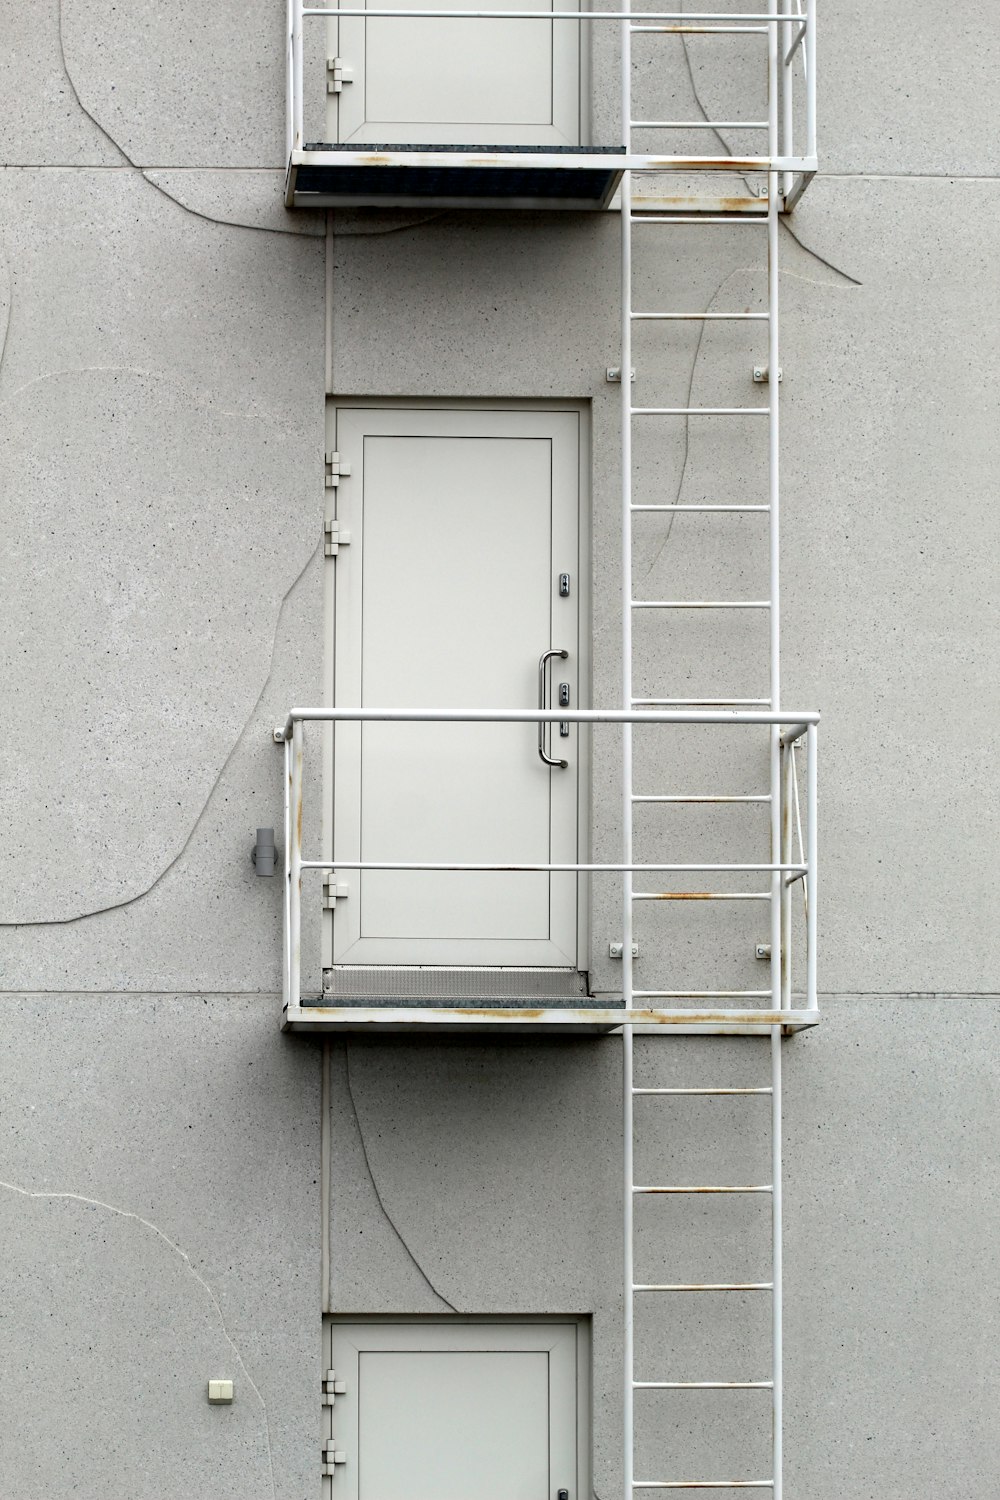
[337, 469]
[332, 1455]
[334, 538]
[332, 1388]
[337, 74]
[334, 890]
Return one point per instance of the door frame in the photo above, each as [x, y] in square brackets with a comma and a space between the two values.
[581, 409]
[581, 1323]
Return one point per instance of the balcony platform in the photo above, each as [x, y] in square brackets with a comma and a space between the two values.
[379, 1020]
[526, 177]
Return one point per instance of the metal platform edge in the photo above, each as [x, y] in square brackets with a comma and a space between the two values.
[460, 1020]
[423, 164]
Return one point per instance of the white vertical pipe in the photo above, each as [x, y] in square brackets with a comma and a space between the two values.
[812, 864]
[287, 925]
[810, 78]
[297, 120]
[295, 872]
[777, 1296]
[628, 1305]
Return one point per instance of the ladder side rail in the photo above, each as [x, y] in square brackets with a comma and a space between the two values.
[627, 788]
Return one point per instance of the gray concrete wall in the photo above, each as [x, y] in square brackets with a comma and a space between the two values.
[161, 390]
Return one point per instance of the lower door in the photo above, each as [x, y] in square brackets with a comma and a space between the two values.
[462, 573]
[465, 1411]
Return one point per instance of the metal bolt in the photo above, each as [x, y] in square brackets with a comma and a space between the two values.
[762, 950]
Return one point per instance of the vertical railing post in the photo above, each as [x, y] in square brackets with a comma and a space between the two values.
[286, 944]
[810, 44]
[812, 867]
[289, 81]
[787, 75]
[788, 771]
[295, 871]
[298, 109]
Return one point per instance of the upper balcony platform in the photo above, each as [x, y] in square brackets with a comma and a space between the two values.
[446, 107]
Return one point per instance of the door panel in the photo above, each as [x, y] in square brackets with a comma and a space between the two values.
[434, 1411]
[459, 82]
[461, 522]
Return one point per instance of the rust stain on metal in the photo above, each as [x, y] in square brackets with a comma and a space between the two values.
[680, 896]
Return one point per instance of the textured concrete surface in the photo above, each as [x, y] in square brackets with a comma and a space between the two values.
[139, 628]
[161, 385]
[159, 1204]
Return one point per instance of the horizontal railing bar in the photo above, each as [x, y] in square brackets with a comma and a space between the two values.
[699, 507]
[698, 124]
[686, 1092]
[650, 1191]
[701, 895]
[703, 797]
[538, 869]
[703, 1385]
[380, 13]
[699, 317]
[700, 411]
[798, 718]
[700, 603]
[704, 1286]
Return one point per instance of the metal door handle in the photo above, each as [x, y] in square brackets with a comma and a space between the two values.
[542, 753]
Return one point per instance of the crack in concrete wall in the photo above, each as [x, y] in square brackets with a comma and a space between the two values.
[251, 721]
[377, 1191]
[182, 1255]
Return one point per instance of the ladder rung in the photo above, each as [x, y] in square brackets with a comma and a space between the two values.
[704, 1286]
[700, 603]
[699, 797]
[701, 994]
[685, 1092]
[702, 30]
[701, 895]
[703, 1385]
[697, 124]
[759, 1188]
[700, 219]
[703, 1484]
[700, 411]
[669, 508]
[701, 703]
[699, 317]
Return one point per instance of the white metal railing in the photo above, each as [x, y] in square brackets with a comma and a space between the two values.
[791, 868]
[789, 27]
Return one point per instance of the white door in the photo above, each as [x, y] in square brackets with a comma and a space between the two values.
[459, 82]
[462, 522]
[435, 1411]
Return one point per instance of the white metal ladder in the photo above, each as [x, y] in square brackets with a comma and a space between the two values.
[778, 893]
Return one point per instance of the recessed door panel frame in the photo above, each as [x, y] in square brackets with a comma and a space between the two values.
[565, 424]
[563, 1343]
[549, 113]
